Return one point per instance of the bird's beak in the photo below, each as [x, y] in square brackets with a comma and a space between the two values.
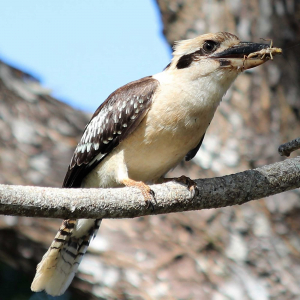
[246, 55]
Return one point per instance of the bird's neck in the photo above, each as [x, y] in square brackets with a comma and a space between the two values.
[195, 94]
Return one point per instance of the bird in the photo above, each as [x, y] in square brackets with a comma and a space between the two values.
[144, 129]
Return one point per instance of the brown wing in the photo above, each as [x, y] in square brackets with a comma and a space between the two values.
[112, 122]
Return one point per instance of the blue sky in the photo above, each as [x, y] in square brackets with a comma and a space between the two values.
[83, 50]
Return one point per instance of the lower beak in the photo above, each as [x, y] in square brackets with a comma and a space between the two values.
[246, 55]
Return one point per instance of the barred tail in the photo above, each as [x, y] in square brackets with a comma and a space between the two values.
[59, 264]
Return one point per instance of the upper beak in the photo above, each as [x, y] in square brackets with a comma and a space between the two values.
[247, 55]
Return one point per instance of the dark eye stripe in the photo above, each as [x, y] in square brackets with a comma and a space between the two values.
[186, 60]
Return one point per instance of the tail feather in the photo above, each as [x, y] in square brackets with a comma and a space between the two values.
[59, 264]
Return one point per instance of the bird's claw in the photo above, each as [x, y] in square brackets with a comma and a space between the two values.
[148, 194]
[149, 202]
[191, 184]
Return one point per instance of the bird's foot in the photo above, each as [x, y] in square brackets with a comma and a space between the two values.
[191, 184]
[148, 194]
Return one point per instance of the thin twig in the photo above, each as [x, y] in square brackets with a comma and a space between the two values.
[287, 148]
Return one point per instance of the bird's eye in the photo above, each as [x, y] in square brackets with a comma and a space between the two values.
[210, 46]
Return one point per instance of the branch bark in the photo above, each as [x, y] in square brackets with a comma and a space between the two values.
[287, 148]
[170, 197]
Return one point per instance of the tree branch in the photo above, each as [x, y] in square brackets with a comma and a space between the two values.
[287, 148]
[170, 197]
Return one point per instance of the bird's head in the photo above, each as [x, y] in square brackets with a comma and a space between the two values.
[219, 54]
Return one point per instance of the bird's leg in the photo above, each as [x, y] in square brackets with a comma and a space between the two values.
[191, 184]
[144, 188]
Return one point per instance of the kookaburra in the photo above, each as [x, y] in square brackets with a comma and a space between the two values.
[143, 130]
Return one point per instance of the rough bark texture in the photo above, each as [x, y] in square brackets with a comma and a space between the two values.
[287, 148]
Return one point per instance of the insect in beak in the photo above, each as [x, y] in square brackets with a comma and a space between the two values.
[246, 55]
